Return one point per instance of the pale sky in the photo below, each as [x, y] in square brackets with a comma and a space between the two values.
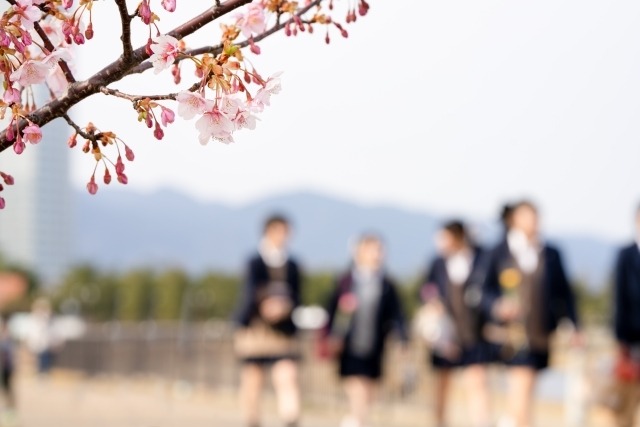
[448, 106]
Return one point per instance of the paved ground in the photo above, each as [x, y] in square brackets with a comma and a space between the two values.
[68, 400]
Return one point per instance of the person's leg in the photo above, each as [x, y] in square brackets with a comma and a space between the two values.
[443, 382]
[359, 391]
[625, 414]
[477, 382]
[7, 385]
[285, 382]
[251, 383]
[522, 380]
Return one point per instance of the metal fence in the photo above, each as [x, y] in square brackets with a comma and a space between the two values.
[203, 354]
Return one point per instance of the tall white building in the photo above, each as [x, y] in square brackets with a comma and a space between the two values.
[35, 226]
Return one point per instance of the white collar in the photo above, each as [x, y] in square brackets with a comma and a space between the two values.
[526, 253]
[272, 256]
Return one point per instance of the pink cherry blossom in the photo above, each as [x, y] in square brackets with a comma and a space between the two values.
[11, 95]
[27, 12]
[167, 116]
[30, 72]
[57, 82]
[191, 104]
[225, 138]
[32, 134]
[244, 119]
[214, 124]
[169, 5]
[253, 21]
[165, 50]
[271, 87]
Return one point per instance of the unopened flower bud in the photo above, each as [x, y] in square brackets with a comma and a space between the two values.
[158, 132]
[122, 179]
[73, 140]
[92, 187]
[85, 147]
[128, 152]
[107, 177]
[89, 32]
[119, 165]
[2, 203]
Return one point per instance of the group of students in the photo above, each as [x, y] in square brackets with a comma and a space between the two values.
[478, 307]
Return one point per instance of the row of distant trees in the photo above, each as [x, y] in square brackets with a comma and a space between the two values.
[174, 295]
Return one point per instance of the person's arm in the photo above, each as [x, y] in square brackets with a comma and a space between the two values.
[490, 287]
[565, 293]
[621, 300]
[429, 280]
[332, 308]
[296, 288]
[247, 301]
[396, 314]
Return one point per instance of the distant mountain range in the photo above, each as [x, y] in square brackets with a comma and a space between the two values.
[125, 229]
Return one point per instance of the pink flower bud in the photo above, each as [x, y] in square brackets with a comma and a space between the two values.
[144, 11]
[147, 47]
[72, 140]
[254, 47]
[122, 179]
[92, 187]
[89, 32]
[26, 38]
[327, 39]
[158, 132]
[175, 71]
[67, 4]
[167, 116]
[169, 5]
[148, 121]
[18, 146]
[10, 132]
[8, 179]
[107, 177]
[119, 166]
[78, 38]
[85, 147]
[287, 30]
[128, 152]
[2, 203]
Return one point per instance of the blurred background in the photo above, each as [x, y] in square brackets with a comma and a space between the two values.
[477, 103]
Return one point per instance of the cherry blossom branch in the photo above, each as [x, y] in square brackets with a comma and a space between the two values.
[77, 128]
[135, 98]
[125, 18]
[113, 72]
[50, 47]
[216, 49]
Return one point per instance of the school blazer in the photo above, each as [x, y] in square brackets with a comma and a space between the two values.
[558, 299]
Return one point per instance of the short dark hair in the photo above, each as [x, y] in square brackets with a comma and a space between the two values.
[505, 215]
[457, 229]
[275, 219]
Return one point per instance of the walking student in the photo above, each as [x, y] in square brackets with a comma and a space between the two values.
[526, 294]
[266, 337]
[363, 310]
[453, 287]
[627, 330]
